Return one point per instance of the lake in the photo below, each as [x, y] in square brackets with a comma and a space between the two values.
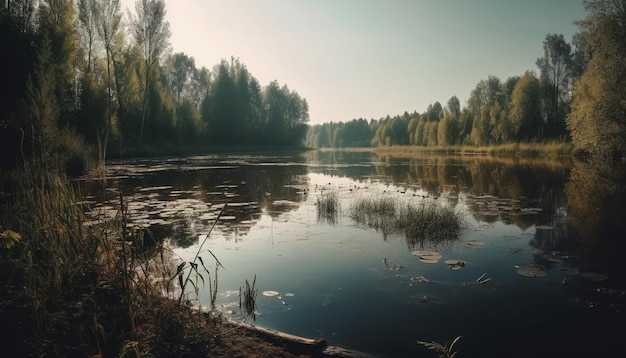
[542, 246]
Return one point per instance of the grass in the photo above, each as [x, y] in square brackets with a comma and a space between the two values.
[72, 289]
[425, 222]
[551, 149]
[443, 350]
[248, 293]
[328, 208]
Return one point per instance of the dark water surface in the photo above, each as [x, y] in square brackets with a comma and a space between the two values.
[351, 285]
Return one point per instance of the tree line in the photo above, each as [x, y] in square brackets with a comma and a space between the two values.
[82, 74]
[575, 96]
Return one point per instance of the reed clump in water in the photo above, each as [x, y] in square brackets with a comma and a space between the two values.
[427, 221]
[247, 298]
[377, 213]
[328, 208]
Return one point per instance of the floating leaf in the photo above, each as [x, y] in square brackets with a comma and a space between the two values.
[421, 253]
[476, 243]
[530, 271]
[570, 271]
[594, 276]
[429, 261]
[455, 262]
[270, 293]
[427, 256]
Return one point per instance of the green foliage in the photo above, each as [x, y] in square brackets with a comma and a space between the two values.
[78, 288]
[556, 68]
[525, 108]
[237, 111]
[42, 102]
[597, 121]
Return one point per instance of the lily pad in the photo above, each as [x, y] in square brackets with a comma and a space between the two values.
[429, 261]
[570, 271]
[270, 293]
[530, 271]
[594, 276]
[421, 253]
[476, 243]
[455, 262]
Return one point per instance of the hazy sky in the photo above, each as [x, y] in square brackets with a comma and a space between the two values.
[365, 58]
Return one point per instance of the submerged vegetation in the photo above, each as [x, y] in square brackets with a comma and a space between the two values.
[425, 223]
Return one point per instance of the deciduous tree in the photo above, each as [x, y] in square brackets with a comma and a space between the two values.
[598, 118]
[152, 33]
[555, 74]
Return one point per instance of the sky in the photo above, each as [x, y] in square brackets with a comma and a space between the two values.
[371, 58]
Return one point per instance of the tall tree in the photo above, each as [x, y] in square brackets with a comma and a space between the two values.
[486, 93]
[598, 118]
[183, 68]
[56, 20]
[555, 74]
[87, 18]
[525, 109]
[41, 102]
[454, 107]
[152, 35]
[108, 25]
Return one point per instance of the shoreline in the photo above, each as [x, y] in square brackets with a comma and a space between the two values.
[297, 344]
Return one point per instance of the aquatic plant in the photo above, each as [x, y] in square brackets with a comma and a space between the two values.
[249, 293]
[425, 222]
[378, 213]
[328, 208]
[442, 349]
[64, 279]
[194, 276]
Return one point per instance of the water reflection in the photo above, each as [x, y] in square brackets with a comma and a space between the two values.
[184, 196]
[187, 193]
[597, 197]
[562, 218]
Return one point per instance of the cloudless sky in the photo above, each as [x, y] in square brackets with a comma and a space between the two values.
[366, 58]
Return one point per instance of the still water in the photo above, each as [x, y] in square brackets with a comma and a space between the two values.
[359, 289]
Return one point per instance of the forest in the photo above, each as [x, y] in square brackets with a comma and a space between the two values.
[577, 95]
[83, 80]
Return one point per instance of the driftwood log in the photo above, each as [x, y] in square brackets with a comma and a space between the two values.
[300, 345]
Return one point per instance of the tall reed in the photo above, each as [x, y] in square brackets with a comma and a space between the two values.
[54, 264]
[328, 208]
[425, 222]
[248, 303]
[73, 289]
